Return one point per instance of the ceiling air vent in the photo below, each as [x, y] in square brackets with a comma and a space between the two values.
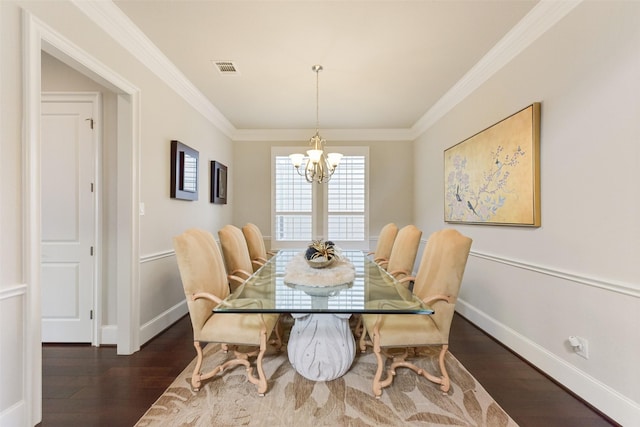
[226, 67]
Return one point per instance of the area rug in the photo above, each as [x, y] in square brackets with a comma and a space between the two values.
[229, 399]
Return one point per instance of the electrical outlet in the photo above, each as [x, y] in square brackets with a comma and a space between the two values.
[582, 350]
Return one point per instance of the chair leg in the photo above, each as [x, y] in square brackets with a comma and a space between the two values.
[381, 357]
[443, 380]
[358, 328]
[277, 342]
[241, 358]
[363, 342]
[399, 361]
[377, 386]
[196, 376]
[446, 382]
[261, 381]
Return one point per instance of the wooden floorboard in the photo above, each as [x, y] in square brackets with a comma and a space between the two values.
[89, 386]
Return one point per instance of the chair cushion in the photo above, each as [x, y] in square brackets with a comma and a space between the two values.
[405, 330]
[235, 328]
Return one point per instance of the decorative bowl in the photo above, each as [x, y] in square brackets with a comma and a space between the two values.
[320, 262]
[321, 254]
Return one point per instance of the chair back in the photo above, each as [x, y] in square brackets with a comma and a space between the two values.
[234, 249]
[386, 238]
[404, 251]
[440, 273]
[255, 244]
[201, 270]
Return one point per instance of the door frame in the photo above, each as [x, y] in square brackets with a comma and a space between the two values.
[95, 98]
[38, 36]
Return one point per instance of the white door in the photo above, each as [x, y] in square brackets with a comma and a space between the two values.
[68, 219]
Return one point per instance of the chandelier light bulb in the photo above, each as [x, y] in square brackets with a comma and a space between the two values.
[296, 159]
[314, 155]
[334, 159]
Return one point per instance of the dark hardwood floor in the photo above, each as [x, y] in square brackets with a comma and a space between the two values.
[88, 386]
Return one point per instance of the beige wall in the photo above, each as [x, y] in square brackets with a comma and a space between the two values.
[390, 182]
[578, 274]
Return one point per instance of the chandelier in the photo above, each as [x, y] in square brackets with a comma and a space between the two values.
[316, 166]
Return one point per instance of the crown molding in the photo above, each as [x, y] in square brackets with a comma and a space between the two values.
[118, 25]
[282, 135]
[539, 19]
[115, 23]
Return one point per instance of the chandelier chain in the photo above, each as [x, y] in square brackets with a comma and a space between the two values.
[317, 69]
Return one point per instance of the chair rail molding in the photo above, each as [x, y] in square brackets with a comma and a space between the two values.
[157, 256]
[13, 291]
[618, 287]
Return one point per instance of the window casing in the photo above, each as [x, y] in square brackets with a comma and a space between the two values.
[336, 211]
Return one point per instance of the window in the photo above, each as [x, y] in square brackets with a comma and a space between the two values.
[293, 203]
[335, 211]
[346, 200]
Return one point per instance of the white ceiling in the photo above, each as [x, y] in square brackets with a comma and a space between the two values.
[385, 62]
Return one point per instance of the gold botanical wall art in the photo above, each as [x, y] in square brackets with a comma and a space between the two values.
[493, 177]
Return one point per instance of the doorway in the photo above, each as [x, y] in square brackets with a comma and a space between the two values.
[70, 141]
[38, 37]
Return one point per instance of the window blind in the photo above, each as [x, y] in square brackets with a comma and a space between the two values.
[346, 200]
[293, 203]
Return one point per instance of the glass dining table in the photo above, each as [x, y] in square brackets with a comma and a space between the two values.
[321, 345]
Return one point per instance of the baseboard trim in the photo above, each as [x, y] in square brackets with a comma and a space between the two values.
[149, 329]
[602, 397]
[109, 335]
[162, 321]
[15, 415]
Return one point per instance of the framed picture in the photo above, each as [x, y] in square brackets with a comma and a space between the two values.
[493, 177]
[218, 183]
[184, 172]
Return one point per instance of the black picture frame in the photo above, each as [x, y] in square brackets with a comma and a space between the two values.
[184, 172]
[218, 183]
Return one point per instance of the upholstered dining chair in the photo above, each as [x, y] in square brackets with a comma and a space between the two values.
[403, 253]
[205, 285]
[437, 284]
[255, 242]
[386, 238]
[236, 255]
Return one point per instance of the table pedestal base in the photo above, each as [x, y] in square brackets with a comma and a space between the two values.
[321, 346]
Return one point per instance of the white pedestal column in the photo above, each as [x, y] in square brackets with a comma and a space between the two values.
[321, 346]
